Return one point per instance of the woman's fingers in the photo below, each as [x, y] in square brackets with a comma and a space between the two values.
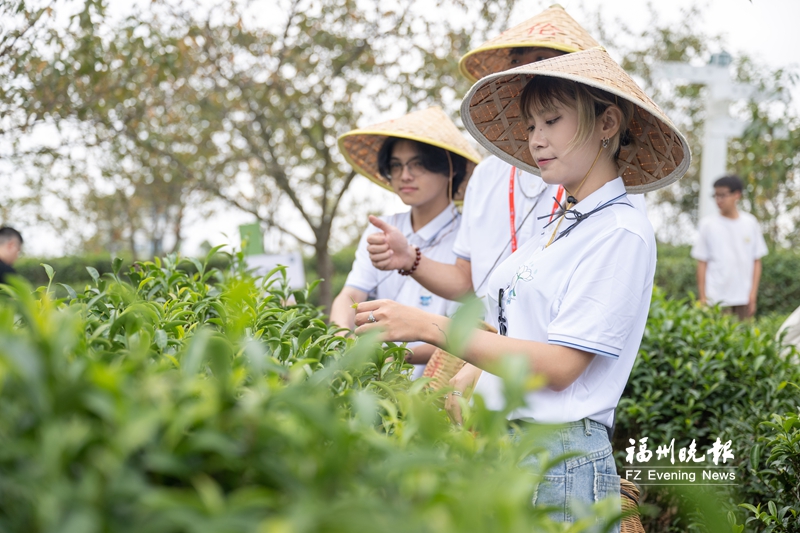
[380, 254]
[380, 257]
[378, 238]
[363, 329]
[453, 408]
[363, 318]
[370, 305]
[377, 249]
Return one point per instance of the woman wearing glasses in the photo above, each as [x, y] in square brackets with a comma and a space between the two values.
[573, 302]
[426, 161]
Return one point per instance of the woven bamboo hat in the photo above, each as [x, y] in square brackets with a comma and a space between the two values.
[656, 156]
[431, 126]
[552, 28]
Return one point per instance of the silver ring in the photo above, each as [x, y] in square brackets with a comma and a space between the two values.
[371, 317]
[457, 393]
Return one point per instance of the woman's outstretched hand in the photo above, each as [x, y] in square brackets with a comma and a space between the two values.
[464, 382]
[400, 323]
[389, 249]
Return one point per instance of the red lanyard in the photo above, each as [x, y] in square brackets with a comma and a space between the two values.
[556, 204]
[511, 211]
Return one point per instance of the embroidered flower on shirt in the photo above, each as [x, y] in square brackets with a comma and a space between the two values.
[524, 273]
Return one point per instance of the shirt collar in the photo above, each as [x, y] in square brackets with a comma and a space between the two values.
[606, 193]
[429, 230]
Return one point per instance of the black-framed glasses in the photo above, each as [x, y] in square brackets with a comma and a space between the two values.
[502, 325]
[415, 169]
[721, 195]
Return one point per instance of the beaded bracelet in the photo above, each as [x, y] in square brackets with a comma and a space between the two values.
[413, 268]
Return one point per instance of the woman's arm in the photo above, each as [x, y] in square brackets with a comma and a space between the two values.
[342, 312]
[389, 250]
[560, 365]
[420, 354]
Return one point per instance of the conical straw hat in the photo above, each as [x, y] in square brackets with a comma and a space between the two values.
[431, 126]
[657, 155]
[552, 28]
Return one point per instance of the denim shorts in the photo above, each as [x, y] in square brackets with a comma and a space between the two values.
[579, 481]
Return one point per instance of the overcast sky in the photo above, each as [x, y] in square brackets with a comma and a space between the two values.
[763, 29]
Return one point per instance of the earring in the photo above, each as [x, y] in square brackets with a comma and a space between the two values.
[604, 142]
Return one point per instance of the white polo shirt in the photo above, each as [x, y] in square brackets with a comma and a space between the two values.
[435, 241]
[731, 247]
[589, 290]
[484, 238]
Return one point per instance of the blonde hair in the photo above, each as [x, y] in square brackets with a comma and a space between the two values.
[542, 94]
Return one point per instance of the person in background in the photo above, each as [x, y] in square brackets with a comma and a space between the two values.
[10, 248]
[728, 250]
[424, 159]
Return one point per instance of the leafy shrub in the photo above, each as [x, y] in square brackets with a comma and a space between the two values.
[675, 273]
[342, 263]
[73, 269]
[204, 402]
[780, 291]
[702, 375]
[781, 514]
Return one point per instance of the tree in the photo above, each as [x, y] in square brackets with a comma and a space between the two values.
[767, 155]
[220, 107]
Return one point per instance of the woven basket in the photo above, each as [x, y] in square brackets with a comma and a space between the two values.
[629, 494]
[430, 126]
[442, 366]
[552, 28]
[657, 155]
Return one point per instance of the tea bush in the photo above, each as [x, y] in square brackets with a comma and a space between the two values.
[781, 512]
[212, 402]
[779, 292]
[702, 375]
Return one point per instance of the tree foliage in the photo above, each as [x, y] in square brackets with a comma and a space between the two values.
[185, 105]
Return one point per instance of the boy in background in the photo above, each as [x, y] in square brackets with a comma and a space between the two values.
[728, 250]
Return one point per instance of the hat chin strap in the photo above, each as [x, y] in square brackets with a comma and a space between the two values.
[450, 176]
[571, 201]
[570, 197]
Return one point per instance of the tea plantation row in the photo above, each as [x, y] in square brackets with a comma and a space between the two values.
[210, 402]
[196, 399]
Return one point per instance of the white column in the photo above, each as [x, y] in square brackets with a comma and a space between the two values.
[715, 153]
[719, 126]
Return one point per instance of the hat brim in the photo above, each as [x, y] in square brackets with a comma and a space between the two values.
[480, 60]
[553, 28]
[658, 153]
[367, 165]
[429, 126]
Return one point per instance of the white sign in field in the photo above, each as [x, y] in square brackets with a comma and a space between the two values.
[263, 263]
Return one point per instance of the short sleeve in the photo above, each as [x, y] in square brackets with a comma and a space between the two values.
[605, 294]
[363, 276]
[461, 246]
[700, 249]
